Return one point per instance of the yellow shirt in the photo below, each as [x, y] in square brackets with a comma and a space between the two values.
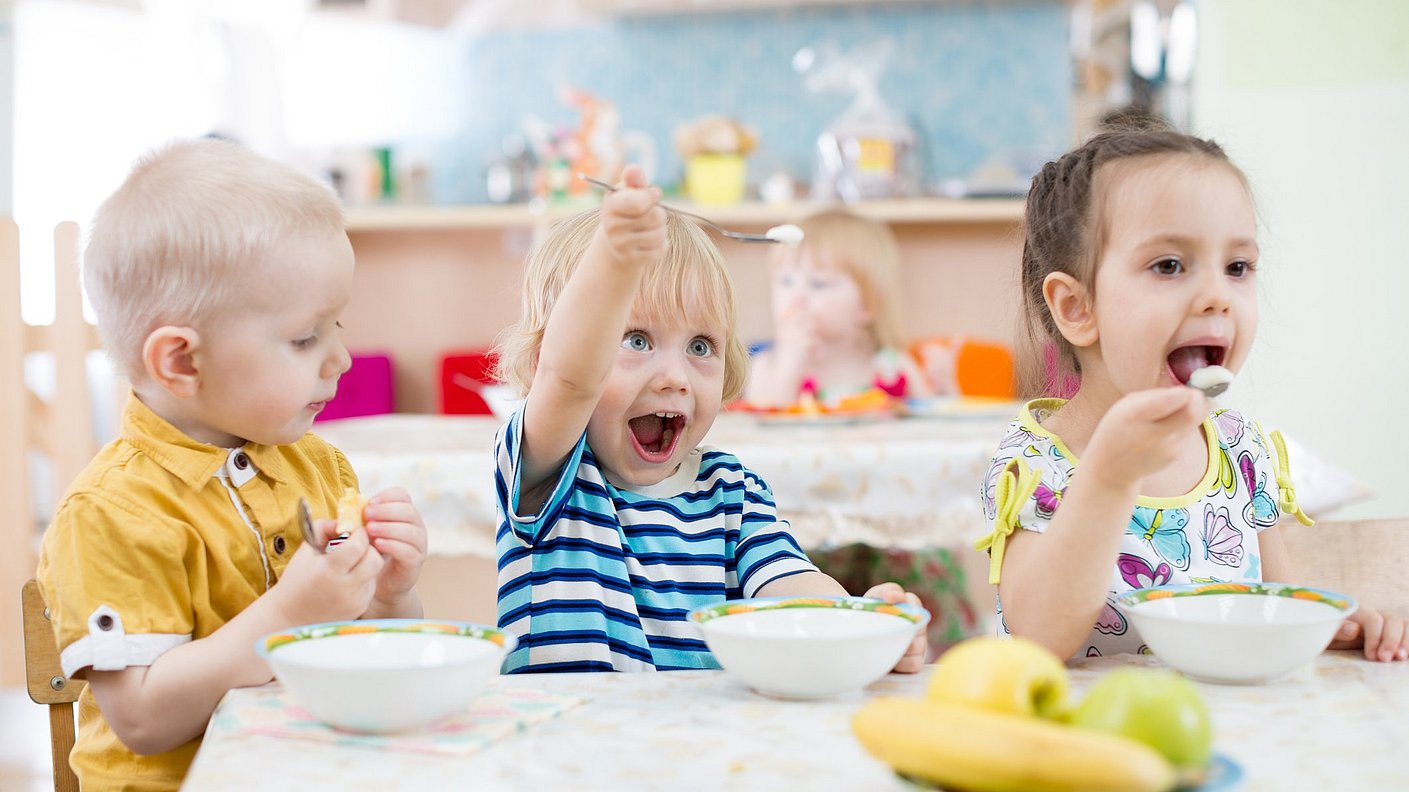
[161, 540]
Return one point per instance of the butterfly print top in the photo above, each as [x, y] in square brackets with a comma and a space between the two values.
[1206, 535]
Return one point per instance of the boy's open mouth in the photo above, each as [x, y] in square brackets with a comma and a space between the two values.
[655, 435]
[1186, 360]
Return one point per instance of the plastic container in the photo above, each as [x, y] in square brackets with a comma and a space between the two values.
[715, 179]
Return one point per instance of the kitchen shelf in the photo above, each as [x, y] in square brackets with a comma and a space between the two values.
[643, 7]
[918, 211]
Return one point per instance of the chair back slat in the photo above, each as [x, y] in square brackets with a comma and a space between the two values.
[47, 684]
[60, 430]
[74, 444]
[44, 675]
[17, 533]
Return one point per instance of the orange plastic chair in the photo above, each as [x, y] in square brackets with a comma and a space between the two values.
[980, 367]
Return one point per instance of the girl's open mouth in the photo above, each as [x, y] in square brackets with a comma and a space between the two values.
[655, 435]
[1184, 361]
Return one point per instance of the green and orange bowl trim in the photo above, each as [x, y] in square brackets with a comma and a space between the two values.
[905, 610]
[307, 632]
[1338, 601]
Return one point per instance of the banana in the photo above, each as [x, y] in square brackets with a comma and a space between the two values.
[984, 751]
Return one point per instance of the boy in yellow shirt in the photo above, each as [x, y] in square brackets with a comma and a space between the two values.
[217, 277]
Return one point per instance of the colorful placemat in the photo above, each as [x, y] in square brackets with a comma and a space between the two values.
[494, 715]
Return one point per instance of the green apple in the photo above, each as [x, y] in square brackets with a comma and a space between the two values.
[1012, 675]
[1157, 707]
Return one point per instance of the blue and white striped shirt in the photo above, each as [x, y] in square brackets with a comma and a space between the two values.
[602, 579]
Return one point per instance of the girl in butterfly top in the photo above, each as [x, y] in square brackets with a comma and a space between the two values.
[1140, 264]
[836, 318]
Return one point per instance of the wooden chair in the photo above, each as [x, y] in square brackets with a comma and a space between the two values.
[61, 429]
[1365, 559]
[48, 685]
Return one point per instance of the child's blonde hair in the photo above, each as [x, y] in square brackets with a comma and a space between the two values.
[867, 251]
[1067, 221]
[185, 233]
[691, 278]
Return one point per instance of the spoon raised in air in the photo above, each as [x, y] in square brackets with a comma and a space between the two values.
[1212, 380]
[787, 234]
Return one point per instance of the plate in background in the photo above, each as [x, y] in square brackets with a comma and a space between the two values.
[961, 407]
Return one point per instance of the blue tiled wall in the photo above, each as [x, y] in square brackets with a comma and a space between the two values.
[976, 79]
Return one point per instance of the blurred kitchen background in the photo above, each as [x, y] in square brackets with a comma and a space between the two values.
[458, 106]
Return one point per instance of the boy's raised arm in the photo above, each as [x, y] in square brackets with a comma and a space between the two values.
[584, 331]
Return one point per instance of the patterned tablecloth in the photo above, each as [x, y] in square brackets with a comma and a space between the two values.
[1338, 724]
[898, 483]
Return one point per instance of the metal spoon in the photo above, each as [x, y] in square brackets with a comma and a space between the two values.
[739, 235]
[310, 538]
[1212, 380]
[305, 521]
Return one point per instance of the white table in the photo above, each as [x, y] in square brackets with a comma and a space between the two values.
[905, 483]
[1341, 723]
[901, 483]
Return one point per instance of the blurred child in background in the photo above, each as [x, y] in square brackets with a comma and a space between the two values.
[836, 317]
[838, 333]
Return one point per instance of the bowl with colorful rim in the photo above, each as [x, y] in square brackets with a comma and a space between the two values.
[385, 675]
[808, 647]
[1236, 633]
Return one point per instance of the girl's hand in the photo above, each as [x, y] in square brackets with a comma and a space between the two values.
[941, 368]
[1384, 635]
[396, 531]
[914, 658]
[331, 586]
[1140, 434]
[795, 337]
[633, 221]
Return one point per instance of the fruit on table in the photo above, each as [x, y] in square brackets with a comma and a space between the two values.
[870, 399]
[1013, 675]
[964, 747]
[1157, 707]
[350, 507]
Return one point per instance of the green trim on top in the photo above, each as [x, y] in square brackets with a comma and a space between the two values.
[905, 610]
[330, 629]
[1138, 596]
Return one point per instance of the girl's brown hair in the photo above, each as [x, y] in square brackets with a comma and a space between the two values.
[1066, 229]
[691, 280]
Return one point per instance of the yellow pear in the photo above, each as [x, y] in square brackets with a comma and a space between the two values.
[1012, 675]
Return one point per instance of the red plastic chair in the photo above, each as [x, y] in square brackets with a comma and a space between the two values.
[462, 374]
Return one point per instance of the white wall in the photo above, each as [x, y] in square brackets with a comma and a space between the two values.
[1311, 98]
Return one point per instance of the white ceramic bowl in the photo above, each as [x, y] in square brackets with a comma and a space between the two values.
[1236, 633]
[808, 647]
[385, 675]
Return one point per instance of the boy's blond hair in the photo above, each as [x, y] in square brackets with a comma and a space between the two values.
[867, 251]
[691, 278]
[186, 232]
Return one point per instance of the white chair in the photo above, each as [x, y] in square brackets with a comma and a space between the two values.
[60, 429]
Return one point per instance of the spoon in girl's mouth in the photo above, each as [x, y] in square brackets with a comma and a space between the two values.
[1212, 380]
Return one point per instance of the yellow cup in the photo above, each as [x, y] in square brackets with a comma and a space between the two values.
[715, 179]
